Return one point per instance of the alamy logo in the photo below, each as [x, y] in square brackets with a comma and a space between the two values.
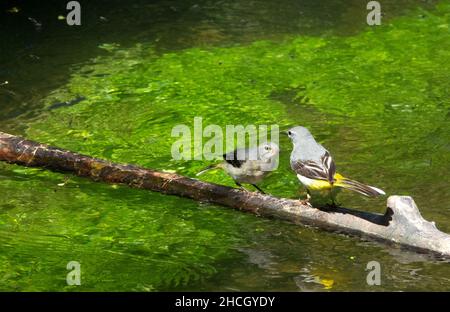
[191, 144]
[374, 275]
[374, 16]
[74, 276]
[74, 16]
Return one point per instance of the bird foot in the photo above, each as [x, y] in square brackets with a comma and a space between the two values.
[307, 199]
[306, 202]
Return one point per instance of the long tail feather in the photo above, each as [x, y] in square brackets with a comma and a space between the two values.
[356, 186]
[210, 167]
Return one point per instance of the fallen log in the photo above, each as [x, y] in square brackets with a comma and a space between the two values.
[402, 224]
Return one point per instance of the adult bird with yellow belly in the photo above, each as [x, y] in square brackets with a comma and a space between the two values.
[316, 170]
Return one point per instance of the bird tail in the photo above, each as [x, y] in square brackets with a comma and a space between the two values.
[210, 167]
[356, 186]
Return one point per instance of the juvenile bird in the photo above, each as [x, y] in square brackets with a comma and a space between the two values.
[316, 169]
[249, 165]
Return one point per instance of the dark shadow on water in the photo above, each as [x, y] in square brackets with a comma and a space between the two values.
[39, 50]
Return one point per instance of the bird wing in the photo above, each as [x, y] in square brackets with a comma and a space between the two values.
[232, 159]
[323, 170]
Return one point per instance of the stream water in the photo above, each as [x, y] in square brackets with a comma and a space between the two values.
[377, 97]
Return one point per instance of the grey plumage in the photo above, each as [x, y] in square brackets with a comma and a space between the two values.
[315, 168]
[305, 146]
[249, 165]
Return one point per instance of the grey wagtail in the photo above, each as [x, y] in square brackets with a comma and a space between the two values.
[249, 165]
[316, 170]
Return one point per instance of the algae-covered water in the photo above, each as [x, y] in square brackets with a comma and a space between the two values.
[377, 97]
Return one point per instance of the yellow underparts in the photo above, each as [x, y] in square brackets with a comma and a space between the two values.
[319, 185]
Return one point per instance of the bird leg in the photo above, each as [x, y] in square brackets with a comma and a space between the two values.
[308, 197]
[240, 186]
[259, 189]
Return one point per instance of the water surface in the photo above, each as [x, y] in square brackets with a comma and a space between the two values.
[376, 97]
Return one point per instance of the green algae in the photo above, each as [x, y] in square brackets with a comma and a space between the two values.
[379, 100]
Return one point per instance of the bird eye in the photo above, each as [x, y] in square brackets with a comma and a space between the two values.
[289, 133]
[267, 147]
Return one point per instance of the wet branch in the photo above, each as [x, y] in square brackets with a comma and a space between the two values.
[402, 223]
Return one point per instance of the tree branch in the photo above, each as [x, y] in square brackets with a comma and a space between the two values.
[401, 224]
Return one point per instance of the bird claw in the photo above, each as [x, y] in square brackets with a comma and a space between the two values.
[306, 202]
